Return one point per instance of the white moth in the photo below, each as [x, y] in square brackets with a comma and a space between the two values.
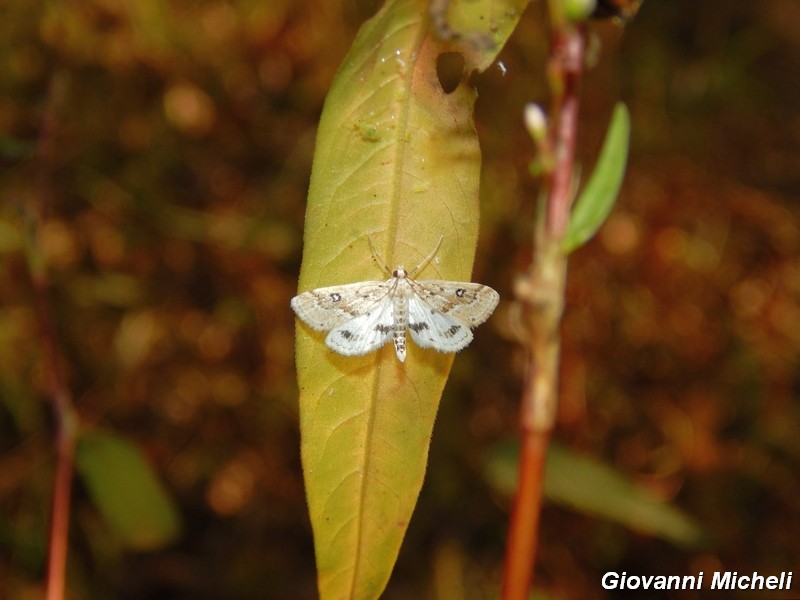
[362, 317]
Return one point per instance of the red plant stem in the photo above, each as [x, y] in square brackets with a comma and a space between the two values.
[523, 535]
[58, 393]
[566, 68]
[63, 413]
[541, 293]
[59, 527]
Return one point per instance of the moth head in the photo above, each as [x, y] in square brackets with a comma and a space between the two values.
[399, 272]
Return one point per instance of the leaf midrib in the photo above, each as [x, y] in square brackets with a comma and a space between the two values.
[401, 148]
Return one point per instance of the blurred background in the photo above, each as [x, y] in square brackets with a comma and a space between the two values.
[182, 135]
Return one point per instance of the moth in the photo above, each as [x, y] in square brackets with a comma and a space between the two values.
[362, 317]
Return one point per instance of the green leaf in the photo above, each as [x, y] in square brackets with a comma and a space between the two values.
[126, 491]
[396, 159]
[12, 148]
[590, 487]
[598, 197]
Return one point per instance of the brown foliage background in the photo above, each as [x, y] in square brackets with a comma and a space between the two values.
[182, 150]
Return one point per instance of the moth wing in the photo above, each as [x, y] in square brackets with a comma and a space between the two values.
[471, 303]
[364, 333]
[325, 308]
[432, 329]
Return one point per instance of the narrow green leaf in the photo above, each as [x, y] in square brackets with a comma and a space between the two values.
[598, 197]
[397, 159]
[590, 487]
[126, 491]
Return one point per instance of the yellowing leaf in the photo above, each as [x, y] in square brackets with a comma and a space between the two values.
[397, 158]
[481, 26]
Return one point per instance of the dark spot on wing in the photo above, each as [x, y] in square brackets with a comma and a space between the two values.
[346, 334]
[454, 329]
[460, 292]
[418, 326]
[336, 296]
[383, 328]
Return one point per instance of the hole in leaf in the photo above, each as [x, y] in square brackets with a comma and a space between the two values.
[450, 70]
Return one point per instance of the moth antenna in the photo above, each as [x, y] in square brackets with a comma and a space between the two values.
[376, 256]
[427, 259]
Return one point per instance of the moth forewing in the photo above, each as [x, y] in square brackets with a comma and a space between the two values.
[324, 308]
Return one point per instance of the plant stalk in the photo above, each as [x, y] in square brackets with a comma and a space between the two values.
[58, 393]
[540, 293]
